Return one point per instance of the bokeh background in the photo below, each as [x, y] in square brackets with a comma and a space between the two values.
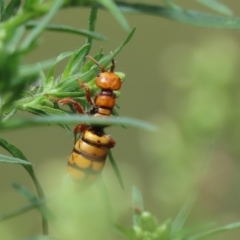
[182, 78]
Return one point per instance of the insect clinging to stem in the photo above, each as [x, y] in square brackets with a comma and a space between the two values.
[90, 150]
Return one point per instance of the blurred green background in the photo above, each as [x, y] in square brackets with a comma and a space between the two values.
[184, 79]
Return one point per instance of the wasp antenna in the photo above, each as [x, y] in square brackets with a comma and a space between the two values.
[113, 66]
[92, 59]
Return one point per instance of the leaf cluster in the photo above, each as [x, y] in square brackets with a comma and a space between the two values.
[26, 87]
[31, 87]
[146, 226]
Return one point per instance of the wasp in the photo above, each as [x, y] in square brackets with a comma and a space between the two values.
[90, 150]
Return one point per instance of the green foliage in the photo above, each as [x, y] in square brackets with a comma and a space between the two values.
[173, 12]
[33, 87]
[6, 159]
[45, 212]
[216, 6]
[146, 226]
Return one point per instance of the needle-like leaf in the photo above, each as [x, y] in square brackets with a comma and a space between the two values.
[68, 119]
[7, 159]
[116, 169]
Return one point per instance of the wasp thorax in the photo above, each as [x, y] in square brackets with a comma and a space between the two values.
[108, 81]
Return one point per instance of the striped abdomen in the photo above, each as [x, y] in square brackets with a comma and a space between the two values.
[89, 154]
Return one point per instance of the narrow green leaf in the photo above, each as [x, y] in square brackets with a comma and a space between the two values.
[43, 237]
[112, 7]
[68, 85]
[75, 61]
[68, 130]
[74, 119]
[38, 85]
[10, 115]
[29, 5]
[50, 74]
[7, 159]
[2, 8]
[183, 214]
[12, 149]
[22, 210]
[67, 29]
[137, 198]
[92, 23]
[191, 17]
[11, 9]
[34, 110]
[192, 230]
[186, 209]
[33, 69]
[171, 5]
[17, 153]
[107, 59]
[216, 6]
[138, 206]
[164, 231]
[24, 192]
[47, 110]
[66, 94]
[128, 233]
[33, 199]
[71, 84]
[215, 231]
[62, 56]
[33, 35]
[116, 169]
[15, 39]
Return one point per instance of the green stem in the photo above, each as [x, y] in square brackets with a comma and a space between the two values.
[41, 196]
[2, 8]
[22, 210]
[9, 115]
[25, 16]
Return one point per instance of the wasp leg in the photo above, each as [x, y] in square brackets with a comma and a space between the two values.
[87, 91]
[111, 143]
[113, 66]
[78, 108]
[80, 128]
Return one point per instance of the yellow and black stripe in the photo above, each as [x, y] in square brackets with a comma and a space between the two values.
[89, 154]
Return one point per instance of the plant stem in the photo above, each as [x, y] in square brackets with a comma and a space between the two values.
[41, 195]
[21, 210]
